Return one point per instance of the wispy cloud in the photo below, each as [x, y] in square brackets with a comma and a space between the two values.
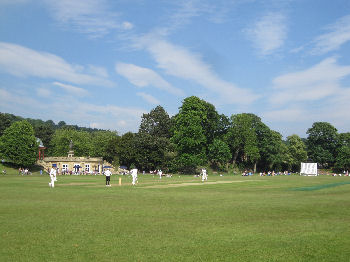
[317, 82]
[97, 71]
[127, 25]
[180, 62]
[149, 98]
[314, 94]
[72, 110]
[269, 33]
[184, 12]
[87, 16]
[289, 114]
[23, 101]
[181, 13]
[43, 92]
[142, 77]
[24, 62]
[72, 89]
[337, 35]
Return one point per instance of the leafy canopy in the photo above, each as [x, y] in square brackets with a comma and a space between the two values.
[18, 144]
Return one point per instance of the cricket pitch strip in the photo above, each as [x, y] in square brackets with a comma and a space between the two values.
[197, 184]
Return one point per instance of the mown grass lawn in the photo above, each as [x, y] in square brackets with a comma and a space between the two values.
[281, 218]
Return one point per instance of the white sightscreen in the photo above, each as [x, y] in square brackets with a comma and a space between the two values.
[308, 169]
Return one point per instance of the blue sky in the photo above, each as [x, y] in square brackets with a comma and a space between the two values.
[100, 63]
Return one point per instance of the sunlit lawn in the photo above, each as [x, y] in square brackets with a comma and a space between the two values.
[281, 218]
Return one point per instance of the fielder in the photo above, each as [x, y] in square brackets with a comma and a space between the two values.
[160, 173]
[134, 176]
[204, 175]
[108, 177]
[53, 177]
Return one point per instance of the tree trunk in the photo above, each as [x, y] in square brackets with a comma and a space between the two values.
[255, 167]
[235, 157]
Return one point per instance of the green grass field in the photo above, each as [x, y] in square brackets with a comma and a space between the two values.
[281, 218]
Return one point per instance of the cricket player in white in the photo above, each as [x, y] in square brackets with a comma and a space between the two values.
[108, 174]
[134, 176]
[204, 175]
[53, 177]
[160, 173]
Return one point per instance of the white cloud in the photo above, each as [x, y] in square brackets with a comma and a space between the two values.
[315, 83]
[87, 16]
[122, 123]
[24, 62]
[72, 89]
[43, 92]
[97, 71]
[72, 110]
[127, 25]
[22, 101]
[269, 33]
[142, 77]
[337, 35]
[178, 61]
[311, 95]
[337, 110]
[289, 114]
[149, 98]
[186, 10]
[108, 116]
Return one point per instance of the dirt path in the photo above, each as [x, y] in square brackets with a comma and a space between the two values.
[197, 184]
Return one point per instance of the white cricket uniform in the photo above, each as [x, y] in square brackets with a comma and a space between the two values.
[134, 176]
[53, 177]
[204, 175]
[160, 173]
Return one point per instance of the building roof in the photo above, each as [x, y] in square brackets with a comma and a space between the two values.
[73, 159]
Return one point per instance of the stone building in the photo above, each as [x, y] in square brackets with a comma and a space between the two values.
[75, 165]
[89, 165]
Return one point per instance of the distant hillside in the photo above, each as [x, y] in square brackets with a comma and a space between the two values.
[7, 119]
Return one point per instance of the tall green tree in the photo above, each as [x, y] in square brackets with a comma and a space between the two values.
[222, 127]
[276, 151]
[219, 154]
[82, 142]
[153, 140]
[191, 133]
[5, 122]
[61, 124]
[156, 123]
[104, 144]
[127, 150]
[296, 152]
[254, 144]
[344, 139]
[322, 143]
[210, 119]
[242, 139]
[342, 161]
[18, 144]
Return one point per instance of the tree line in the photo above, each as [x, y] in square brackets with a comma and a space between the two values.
[197, 136]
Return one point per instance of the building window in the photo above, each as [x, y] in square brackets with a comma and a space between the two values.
[65, 167]
[87, 168]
